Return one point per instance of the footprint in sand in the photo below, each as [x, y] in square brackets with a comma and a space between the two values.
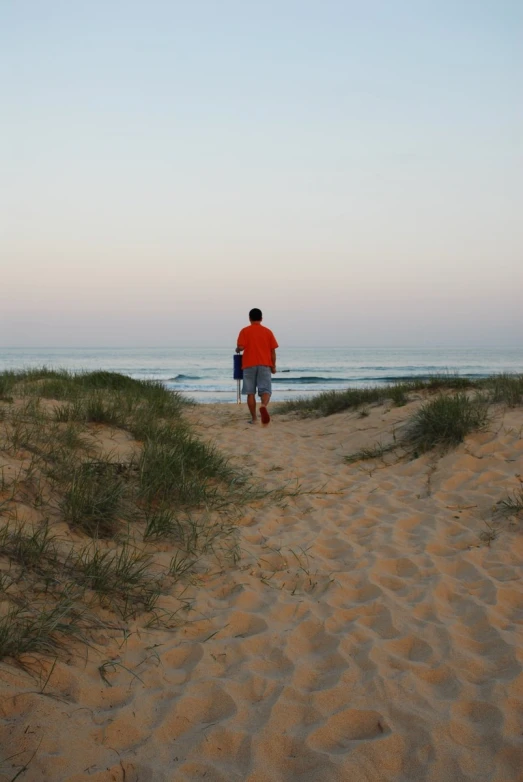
[243, 625]
[200, 705]
[409, 648]
[185, 656]
[475, 723]
[345, 727]
[325, 673]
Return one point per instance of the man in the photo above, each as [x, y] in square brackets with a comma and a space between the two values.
[258, 361]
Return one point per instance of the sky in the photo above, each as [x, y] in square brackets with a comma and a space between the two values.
[354, 169]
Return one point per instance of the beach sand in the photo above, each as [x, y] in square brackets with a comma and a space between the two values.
[367, 633]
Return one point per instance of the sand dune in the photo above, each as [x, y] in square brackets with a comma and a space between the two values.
[367, 633]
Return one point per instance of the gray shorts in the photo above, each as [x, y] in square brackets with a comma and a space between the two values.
[257, 378]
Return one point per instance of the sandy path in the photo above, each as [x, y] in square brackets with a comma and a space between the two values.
[366, 635]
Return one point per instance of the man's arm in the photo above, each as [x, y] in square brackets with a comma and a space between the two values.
[239, 342]
[273, 360]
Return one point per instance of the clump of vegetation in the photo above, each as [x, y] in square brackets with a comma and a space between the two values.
[443, 382]
[32, 549]
[504, 389]
[162, 523]
[165, 487]
[439, 423]
[399, 393]
[39, 628]
[366, 454]
[331, 402]
[445, 421]
[124, 575]
[5, 388]
[512, 505]
[91, 499]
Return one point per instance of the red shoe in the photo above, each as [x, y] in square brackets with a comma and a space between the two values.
[264, 415]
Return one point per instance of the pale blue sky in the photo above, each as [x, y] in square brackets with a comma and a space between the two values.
[355, 169]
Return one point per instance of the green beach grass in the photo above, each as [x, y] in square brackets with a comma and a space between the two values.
[331, 402]
[107, 499]
[454, 406]
[499, 389]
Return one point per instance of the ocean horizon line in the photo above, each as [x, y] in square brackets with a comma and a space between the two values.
[478, 346]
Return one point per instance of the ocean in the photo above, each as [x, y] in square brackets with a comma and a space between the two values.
[205, 374]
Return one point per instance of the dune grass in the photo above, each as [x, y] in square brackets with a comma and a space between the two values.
[445, 421]
[366, 454]
[331, 402]
[33, 549]
[91, 499]
[124, 576]
[134, 523]
[512, 505]
[131, 523]
[461, 406]
[504, 389]
[442, 422]
[36, 628]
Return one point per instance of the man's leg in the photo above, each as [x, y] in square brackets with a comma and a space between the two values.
[264, 413]
[264, 388]
[249, 389]
[251, 404]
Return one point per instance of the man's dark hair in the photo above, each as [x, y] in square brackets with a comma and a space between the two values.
[255, 314]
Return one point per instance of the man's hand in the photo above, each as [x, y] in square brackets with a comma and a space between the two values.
[273, 369]
[239, 349]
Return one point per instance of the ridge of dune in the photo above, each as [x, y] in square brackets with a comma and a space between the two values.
[367, 633]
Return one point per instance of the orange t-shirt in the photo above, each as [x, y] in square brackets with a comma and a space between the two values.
[257, 342]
